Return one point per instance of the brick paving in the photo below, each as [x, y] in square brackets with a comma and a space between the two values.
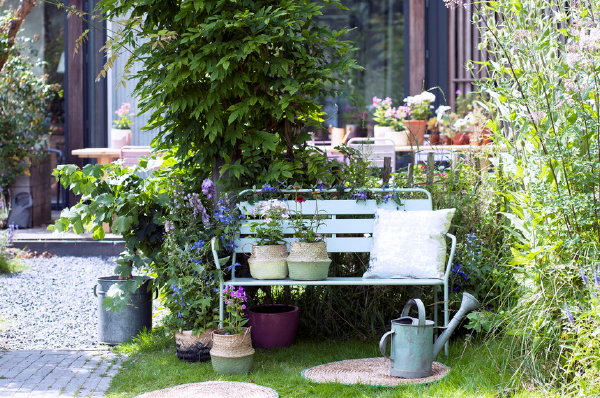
[56, 373]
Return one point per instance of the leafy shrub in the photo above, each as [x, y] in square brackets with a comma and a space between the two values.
[544, 82]
[24, 101]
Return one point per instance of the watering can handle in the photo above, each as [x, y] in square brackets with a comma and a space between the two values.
[383, 343]
[420, 307]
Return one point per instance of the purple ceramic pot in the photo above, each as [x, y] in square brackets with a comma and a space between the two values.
[273, 325]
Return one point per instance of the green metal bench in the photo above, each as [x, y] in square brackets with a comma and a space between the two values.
[340, 221]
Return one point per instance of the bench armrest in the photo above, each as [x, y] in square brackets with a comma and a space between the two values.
[451, 256]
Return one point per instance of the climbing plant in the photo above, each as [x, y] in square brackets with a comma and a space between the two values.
[232, 84]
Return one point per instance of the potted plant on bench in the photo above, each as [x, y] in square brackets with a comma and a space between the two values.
[308, 258]
[268, 260]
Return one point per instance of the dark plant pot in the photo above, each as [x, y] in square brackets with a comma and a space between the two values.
[273, 325]
[119, 327]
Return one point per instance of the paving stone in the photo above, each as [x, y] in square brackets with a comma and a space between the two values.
[56, 374]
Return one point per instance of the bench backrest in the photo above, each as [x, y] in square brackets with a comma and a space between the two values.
[347, 224]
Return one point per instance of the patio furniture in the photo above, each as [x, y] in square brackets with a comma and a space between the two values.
[102, 155]
[360, 241]
[130, 155]
[375, 150]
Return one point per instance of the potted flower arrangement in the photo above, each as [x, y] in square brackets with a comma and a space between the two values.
[186, 269]
[390, 121]
[440, 126]
[120, 134]
[268, 260]
[232, 351]
[308, 258]
[420, 111]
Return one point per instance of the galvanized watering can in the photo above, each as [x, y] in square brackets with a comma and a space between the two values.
[413, 350]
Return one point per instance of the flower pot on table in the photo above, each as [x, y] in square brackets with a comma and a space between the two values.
[120, 138]
[417, 129]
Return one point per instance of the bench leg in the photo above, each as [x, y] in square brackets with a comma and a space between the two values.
[446, 314]
[435, 306]
[221, 304]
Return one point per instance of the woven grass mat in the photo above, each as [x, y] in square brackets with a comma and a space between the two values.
[369, 371]
[214, 389]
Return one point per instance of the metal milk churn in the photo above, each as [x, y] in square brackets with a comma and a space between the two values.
[412, 343]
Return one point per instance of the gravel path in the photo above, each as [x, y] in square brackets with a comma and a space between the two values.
[50, 305]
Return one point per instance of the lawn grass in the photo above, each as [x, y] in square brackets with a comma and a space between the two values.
[478, 370]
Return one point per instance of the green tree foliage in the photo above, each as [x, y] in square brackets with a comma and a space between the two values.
[24, 100]
[232, 84]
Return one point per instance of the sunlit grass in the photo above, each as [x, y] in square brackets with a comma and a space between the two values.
[478, 370]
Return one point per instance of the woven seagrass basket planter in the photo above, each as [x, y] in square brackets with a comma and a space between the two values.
[192, 348]
[268, 262]
[232, 353]
[308, 261]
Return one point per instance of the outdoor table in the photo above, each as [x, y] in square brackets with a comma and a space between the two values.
[103, 155]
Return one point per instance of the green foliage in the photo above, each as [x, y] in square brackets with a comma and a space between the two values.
[231, 85]
[24, 102]
[544, 82]
[8, 263]
[186, 269]
[132, 206]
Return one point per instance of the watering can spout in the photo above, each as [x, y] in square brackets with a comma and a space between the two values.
[468, 304]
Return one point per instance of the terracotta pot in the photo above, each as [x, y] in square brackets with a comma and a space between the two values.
[461, 139]
[417, 129]
[445, 139]
[434, 139]
[273, 325]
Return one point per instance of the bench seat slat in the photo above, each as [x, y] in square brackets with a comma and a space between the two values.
[335, 281]
[334, 245]
[328, 226]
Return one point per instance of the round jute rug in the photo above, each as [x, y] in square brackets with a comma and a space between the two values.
[214, 389]
[370, 371]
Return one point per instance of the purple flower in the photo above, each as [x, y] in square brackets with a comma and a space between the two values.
[208, 188]
[570, 316]
[198, 245]
[584, 277]
[268, 189]
[360, 196]
[169, 226]
[596, 279]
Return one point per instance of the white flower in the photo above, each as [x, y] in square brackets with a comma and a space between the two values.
[440, 112]
[424, 97]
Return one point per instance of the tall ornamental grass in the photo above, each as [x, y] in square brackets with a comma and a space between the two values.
[544, 68]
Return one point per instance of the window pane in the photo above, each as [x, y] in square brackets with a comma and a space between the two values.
[378, 33]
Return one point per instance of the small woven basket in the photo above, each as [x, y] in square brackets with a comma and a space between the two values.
[191, 348]
[232, 345]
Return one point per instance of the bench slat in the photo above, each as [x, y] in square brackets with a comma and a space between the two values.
[328, 226]
[348, 207]
[334, 245]
[335, 281]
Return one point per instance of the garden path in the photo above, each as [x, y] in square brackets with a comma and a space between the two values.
[48, 326]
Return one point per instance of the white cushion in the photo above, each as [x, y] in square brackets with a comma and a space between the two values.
[409, 244]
